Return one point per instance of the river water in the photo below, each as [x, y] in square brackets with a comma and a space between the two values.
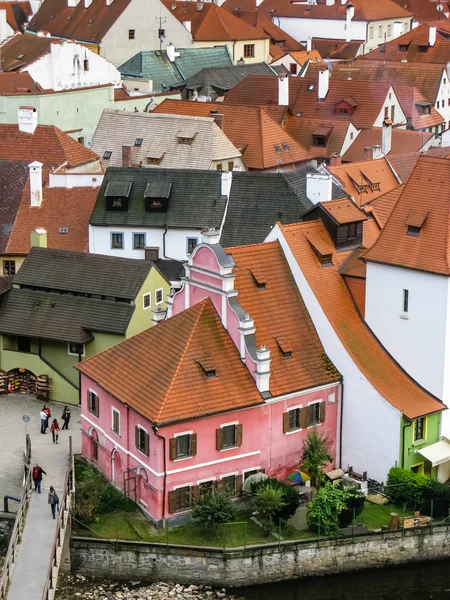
[415, 582]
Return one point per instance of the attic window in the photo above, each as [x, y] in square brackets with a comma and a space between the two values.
[138, 142]
[375, 187]
[259, 279]
[319, 140]
[326, 260]
[157, 194]
[285, 146]
[415, 221]
[413, 231]
[423, 48]
[186, 140]
[107, 155]
[63, 230]
[116, 194]
[284, 346]
[154, 160]
[52, 17]
[403, 47]
[322, 252]
[207, 368]
[311, 87]
[90, 21]
[20, 56]
[277, 148]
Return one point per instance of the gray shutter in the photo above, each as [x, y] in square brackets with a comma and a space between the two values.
[219, 438]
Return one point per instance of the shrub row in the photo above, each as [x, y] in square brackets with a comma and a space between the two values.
[417, 492]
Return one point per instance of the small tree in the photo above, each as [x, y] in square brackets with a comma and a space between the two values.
[268, 501]
[213, 509]
[315, 456]
[290, 497]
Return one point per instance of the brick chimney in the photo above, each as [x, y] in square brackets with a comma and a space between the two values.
[126, 156]
[367, 153]
[218, 119]
[335, 160]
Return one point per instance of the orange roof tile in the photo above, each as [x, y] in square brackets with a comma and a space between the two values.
[17, 14]
[337, 49]
[367, 353]
[403, 141]
[365, 10]
[250, 128]
[430, 250]
[213, 23]
[304, 55]
[274, 327]
[170, 385]
[48, 145]
[266, 25]
[18, 84]
[382, 206]
[371, 232]
[303, 129]
[28, 47]
[403, 164]
[409, 98]
[343, 211]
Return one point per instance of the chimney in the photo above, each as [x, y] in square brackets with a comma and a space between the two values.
[330, 2]
[319, 187]
[39, 237]
[3, 25]
[218, 119]
[376, 152]
[225, 183]
[283, 90]
[386, 137]
[27, 119]
[187, 24]
[172, 53]
[35, 183]
[350, 13]
[324, 84]
[262, 372]
[159, 314]
[210, 236]
[258, 3]
[414, 24]
[152, 253]
[199, 5]
[397, 29]
[109, 2]
[367, 153]
[87, 3]
[309, 44]
[72, 3]
[126, 156]
[432, 35]
[335, 160]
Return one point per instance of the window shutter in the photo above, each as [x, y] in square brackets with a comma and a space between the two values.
[146, 440]
[172, 501]
[195, 493]
[219, 438]
[136, 436]
[97, 407]
[286, 422]
[88, 398]
[238, 484]
[173, 448]
[322, 412]
[193, 444]
[239, 434]
[304, 417]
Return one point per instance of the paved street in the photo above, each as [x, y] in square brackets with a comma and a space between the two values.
[37, 539]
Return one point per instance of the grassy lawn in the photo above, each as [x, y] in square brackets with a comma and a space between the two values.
[374, 516]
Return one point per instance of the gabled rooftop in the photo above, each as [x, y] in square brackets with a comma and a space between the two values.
[403, 142]
[17, 14]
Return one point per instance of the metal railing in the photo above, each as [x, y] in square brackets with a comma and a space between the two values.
[15, 537]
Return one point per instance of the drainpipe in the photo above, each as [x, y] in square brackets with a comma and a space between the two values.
[79, 379]
[341, 424]
[155, 431]
[403, 443]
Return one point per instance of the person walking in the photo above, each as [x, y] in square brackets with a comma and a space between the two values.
[49, 414]
[53, 500]
[37, 477]
[55, 430]
[43, 420]
[66, 417]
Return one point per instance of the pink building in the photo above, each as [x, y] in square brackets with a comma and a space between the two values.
[228, 385]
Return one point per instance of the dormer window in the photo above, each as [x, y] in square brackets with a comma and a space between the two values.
[207, 367]
[155, 159]
[116, 194]
[107, 155]
[413, 230]
[326, 260]
[259, 278]
[423, 48]
[321, 135]
[156, 195]
[138, 142]
[186, 137]
[403, 47]
[322, 252]
[351, 231]
[424, 107]
[319, 140]
[415, 221]
[285, 347]
[346, 106]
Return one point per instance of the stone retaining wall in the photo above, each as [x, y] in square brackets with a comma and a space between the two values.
[259, 564]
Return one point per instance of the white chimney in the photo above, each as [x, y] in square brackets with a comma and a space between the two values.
[324, 84]
[397, 29]
[225, 183]
[210, 236]
[109, 2]
[159, 314]
[35, 183]
[386, 137]
[309, 44]
[330, 2]
[319, 187]
[350, 13]
[376, 151]
[187, 24]
[27, 119]
[283, 90]
[258, 3]
[343, 2]
[172, 53]
[73, 3]
[87, 3]
[432, 35]
[3, 25]
[414, 24]
[262, 369]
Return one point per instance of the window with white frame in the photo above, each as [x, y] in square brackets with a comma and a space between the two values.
[191, 243]
[93, 403]
[75, 349]
[142, 439]
[314, 414]
[117, 241]
[159, 296]
[138, 241]
[147, 300]
[115, 425]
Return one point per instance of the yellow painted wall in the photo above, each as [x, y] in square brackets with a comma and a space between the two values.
[142, 319]
[382, 27]
[262, 49]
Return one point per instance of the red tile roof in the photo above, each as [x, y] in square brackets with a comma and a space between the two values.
[365, 10]
[403, 141]
[337, 49]
[303, 129]
[17, 14]
[329, 288]
[48, 145]
[18, 84]
[290, 329]
[250, 128]
[403, 164]
[343, 211]
[382, 207]
[430, 250]
[29, 47]
[409, 98]
[159, 374]
[213, 23]
[425, 10]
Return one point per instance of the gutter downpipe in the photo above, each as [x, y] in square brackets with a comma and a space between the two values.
[155, 431]
[341, 423]
[403, 443]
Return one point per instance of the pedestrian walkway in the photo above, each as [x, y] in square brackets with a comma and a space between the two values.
[33, 558]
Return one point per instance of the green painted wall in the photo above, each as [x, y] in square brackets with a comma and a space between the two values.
[432, 434]
[142, 319]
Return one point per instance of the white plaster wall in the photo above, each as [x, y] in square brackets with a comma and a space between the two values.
[63, 68]
[365, 412]
[144, 17]
[399, 115]
[302, 29]
[100, 241]
[418, 343]
[350, 137]
[443, 98]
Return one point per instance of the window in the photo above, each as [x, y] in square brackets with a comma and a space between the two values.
[405, 27]
[371, 33]
[131, 34]
[161, 33]
[206, 487]
[315, 414]
[107, 155]
[23, 344]
[76, 349]
[249, 50]
[229, 483]
[247, 474]
[183, 446]
[219, 166]
[351, 231]
[141, 439]
[343, 111]
[380, 31]
[93, 404]
[159, 296]
[86, 64]
[294, 419]
[154, 160]
[389, 30]
[319, 141]
[115, 421]
[351, 135]
[95, 445]
[228, 436]
[300, 417]
[147, 301]
[80, 140]
[386, 112]
[437, 104]
[191, 243]
[413, 230]
[180, 499]
[117, 241]
[392, 113]
[230, 165]
[403, 47]
[9, 267]
[187, 141]
[138, 142]
[138, 241]
[419, 429]
[293, 68]
[405, 301]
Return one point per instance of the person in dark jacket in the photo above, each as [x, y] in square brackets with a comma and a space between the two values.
[53, 500]
[66, 417]
[37, 477]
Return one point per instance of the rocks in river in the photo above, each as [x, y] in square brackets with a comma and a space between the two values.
[94, 589]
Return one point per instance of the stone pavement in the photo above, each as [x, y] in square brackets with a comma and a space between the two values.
[37, 539]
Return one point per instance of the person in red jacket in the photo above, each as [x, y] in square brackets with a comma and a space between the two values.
[55, 430]
[37, 477]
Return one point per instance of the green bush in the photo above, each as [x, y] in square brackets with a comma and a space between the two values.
[213, 509]
[290, 497]
[333, 508]
[268, 502]
[417, 491]
[354, 504]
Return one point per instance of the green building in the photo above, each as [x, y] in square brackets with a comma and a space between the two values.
[66, 306]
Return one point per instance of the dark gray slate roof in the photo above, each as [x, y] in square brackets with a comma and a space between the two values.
[62, 318]
[13, 177]
[194, 201]
[171, 270]
[83, 273]
[259, 200]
